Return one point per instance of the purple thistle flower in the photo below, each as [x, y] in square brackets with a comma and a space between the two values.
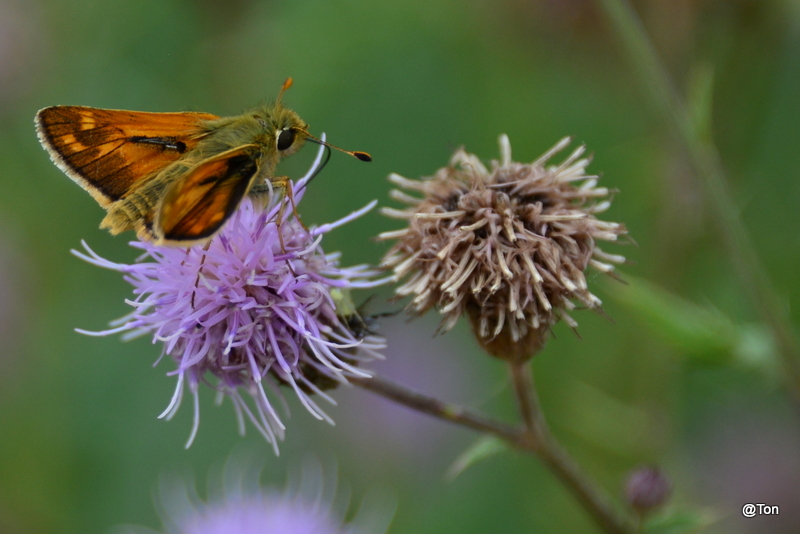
[241, 505]
[249, 309]
[261, 514]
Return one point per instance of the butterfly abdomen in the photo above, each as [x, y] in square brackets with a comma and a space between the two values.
[137, 205]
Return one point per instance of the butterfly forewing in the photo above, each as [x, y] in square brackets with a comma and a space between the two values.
[198, 204]
[108, 151]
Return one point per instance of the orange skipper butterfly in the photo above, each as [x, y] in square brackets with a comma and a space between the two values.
[174, 178]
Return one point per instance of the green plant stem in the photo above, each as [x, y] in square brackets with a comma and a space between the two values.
[537, 441]
[704, 157]
[527, 400]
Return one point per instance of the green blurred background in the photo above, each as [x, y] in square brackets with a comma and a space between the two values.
[81, 449]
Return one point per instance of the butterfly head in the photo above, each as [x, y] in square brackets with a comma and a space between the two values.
[291, 132]
[286, 131]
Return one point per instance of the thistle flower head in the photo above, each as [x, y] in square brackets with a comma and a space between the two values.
[309, 504]
[508, 247]
[248, 312]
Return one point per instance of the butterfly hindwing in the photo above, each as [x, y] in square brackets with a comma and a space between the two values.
[108, 151]
[200, 202]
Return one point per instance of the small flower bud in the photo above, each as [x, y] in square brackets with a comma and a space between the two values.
[647, 488]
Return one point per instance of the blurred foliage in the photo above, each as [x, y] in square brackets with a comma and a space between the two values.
[80, 446]
[678, 523]
[484, 447]
[700, 334]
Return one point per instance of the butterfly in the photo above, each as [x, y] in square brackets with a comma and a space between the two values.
[174, 178]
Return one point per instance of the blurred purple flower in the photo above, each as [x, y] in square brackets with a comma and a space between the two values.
[261, 514]
[307, 506]
[249, 311]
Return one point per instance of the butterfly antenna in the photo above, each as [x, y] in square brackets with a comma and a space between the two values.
[363, 156]
[287, 84]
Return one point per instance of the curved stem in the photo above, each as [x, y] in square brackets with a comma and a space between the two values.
[593, 498]
[537, 441]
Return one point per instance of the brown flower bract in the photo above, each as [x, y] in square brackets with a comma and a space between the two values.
[508, 246]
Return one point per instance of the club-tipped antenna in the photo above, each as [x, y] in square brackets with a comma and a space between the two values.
[363, 156]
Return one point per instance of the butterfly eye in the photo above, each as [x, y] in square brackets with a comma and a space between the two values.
[285, 139]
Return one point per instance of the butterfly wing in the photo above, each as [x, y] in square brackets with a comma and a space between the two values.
[200, 202]
[108, 151]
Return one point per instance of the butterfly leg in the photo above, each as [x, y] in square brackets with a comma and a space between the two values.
[199, 270]
[288, 186]
[282, 182]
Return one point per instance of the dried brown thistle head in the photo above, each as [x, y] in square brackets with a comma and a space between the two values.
[508, 247]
